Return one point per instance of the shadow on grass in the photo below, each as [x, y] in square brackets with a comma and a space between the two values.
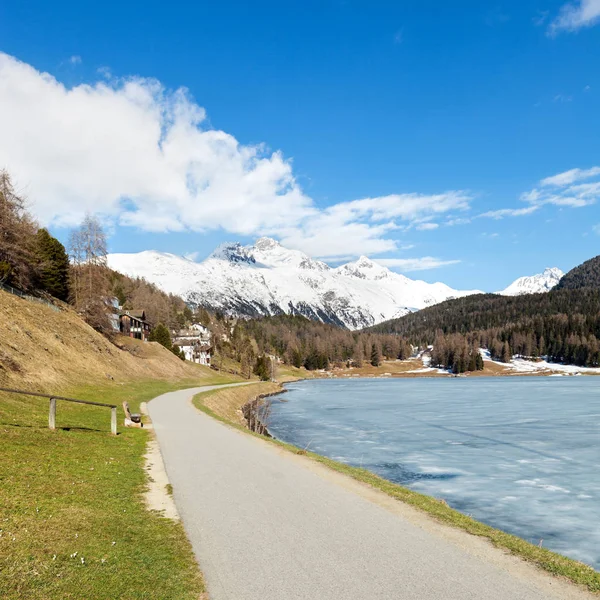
[46, 428]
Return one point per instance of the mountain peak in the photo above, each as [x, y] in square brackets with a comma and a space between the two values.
[365, 261]
[534, 284]
[266, 243]
[232, 252]
[364, 268]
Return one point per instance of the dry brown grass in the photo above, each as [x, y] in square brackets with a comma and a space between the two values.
[41, 349]
[394, 368]
[227, 403]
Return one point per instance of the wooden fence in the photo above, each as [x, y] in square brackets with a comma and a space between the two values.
[16, 292]
[53, 399]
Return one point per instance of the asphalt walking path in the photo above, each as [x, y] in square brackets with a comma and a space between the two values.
[266, 524]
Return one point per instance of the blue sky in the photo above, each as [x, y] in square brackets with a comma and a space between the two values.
[427, 135]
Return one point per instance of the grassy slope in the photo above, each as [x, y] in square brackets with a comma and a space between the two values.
[212, 404]
[78, 490]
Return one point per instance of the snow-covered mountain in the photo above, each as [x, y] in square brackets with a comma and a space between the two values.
[543, 282]
[268, 279]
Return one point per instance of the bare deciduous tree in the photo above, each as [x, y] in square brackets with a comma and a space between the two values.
[90, 286]
[17, 231]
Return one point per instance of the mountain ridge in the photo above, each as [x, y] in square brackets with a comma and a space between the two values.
[268, 279]
[534, 284]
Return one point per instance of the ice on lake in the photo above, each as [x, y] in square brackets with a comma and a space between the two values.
[520, 454]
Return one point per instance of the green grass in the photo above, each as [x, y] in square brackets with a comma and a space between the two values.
[547, 560]
[73, 523]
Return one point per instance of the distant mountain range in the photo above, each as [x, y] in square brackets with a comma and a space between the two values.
[268, 279]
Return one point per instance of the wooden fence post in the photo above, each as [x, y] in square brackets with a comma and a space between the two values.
[113, 420]
[52, 415]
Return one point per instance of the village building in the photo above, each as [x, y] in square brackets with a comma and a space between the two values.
[195, 342]
[132, 323]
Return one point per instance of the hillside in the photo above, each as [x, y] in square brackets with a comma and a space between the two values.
[75, 521]
[267, 279]
[43, 349]
[562, 324]
[586, 275]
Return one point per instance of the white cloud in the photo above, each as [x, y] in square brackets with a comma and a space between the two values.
[427, 226]
[133, 151]
[576, 15]
[566, 189]
[457, 221]
[509, 212]
[75, 59]
[140, 155]
[596, 229]
[571, 176]
[562, 98]
[365, 224]
[415, 264]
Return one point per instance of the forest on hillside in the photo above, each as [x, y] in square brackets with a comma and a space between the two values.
[586, 275]
[563, 325]
[301, 342]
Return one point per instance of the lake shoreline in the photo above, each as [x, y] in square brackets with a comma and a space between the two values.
[511, 451]
[560, 566]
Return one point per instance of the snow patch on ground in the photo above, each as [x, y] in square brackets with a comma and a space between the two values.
[521, 365]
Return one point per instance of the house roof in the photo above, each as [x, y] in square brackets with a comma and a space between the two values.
[136, 314]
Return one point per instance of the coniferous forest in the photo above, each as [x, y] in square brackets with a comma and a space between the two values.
[314, 345]
[563, 325]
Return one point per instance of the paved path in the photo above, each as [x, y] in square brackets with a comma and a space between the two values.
[268, 525]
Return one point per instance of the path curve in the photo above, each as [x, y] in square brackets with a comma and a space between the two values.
[268, 525]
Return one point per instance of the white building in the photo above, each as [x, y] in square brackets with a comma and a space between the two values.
[195, 343]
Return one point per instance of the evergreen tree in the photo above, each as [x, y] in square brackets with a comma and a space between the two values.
[506, 353]
[478, 362]
[161, 335]
[262, 368]
[53, 268]
[177, 351]
[297, 359]
[375, 359]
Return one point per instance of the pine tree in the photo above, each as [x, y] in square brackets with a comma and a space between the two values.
[53, 266]
[479, 362]
[262, 368]
[375, 359]
[161, 335]
[506, 353]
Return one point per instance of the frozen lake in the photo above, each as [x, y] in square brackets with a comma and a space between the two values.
[520, 454]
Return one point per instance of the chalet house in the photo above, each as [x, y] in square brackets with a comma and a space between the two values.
[195, 343]
[132, 323]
